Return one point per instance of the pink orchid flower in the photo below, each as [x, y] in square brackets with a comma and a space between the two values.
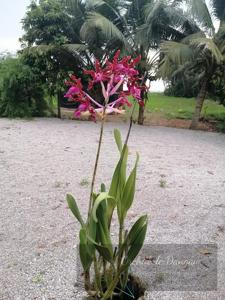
[111, 77]
[72, 91]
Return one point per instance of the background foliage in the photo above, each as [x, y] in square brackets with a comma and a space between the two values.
[63, 36]
[21, 92]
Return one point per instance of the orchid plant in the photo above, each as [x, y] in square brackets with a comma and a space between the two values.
[110, 263]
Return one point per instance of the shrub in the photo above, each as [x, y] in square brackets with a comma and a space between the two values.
[21, 95]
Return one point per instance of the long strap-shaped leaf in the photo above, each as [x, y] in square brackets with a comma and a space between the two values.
[74, 208]
[118, 180]
[135, 239]
[127, 198]
[101, 197]
[85, 251]
[118, 139]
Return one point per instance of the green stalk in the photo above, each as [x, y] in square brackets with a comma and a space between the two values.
[96, 162]
[121, 228]
[96, 265]
[87, 281]
[120, 245]
[98, 151]
[97, 276]
[114, 283]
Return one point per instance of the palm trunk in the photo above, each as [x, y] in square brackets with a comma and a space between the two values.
[199, 103]
[141, 115]
[144, 97]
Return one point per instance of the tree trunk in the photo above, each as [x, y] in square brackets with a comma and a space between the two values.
[141, 112]
[59, 105]
[199, 103]
[141, 115]
[144, 94]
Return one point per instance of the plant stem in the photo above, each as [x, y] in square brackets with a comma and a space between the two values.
[120, 245]
[87, 282]
[113, 284]
[97, 275]
[96, 162]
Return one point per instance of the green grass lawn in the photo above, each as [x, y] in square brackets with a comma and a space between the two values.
[161, 109]
[182, 108]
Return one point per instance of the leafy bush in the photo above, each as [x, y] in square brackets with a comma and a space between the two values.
[221, 126]
[182, 86]
[217, 85]
[21, 94]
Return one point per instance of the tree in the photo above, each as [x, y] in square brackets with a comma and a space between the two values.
[46, 22]
[19, 96]
[138, 29]
[54, 44]
[201, 52]
[182, 85]
[48, 28]
[217, 85]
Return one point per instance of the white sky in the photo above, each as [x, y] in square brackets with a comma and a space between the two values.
[11, 13]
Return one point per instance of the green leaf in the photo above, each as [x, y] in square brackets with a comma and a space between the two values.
[135, 239]
[133, 233]
[118, 139]
[85, 253]
[129, 191]
[74, 208]
[102, 230]
[103, 250]
[118, 181]
[91, 228]
[103, 235]
[96, 21]
[102, 241]
[75, 47]
[136, 245]
[103, 188]
[206, 45]
[101, 197]
[198, 9]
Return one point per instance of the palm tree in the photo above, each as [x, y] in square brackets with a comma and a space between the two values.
[136, 27]
[201, 52]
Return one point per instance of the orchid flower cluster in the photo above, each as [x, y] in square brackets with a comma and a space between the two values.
[112, 77]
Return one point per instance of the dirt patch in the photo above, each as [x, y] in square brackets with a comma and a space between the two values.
[152, 119]
[43, 159]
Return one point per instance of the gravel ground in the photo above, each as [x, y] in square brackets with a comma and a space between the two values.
[43, 159]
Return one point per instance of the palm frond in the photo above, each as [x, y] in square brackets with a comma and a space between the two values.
[219, 9]
[177, 53]
[194, 36]
[76, 48]
[135, 13]
[165, 22]
[207, 46]
[199, 10]
[76, 9]
[152, 10]
[176, 56]
[41, 49]
[105, 26]
[92, 4]
[220, 35]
